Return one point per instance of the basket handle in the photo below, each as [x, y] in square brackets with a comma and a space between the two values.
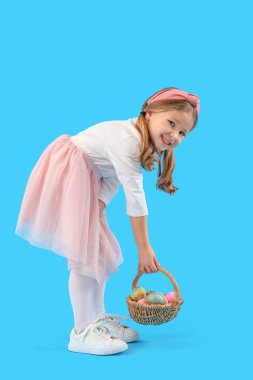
[167, 273]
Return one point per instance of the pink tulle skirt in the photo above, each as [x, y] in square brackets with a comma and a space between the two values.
[60, 211]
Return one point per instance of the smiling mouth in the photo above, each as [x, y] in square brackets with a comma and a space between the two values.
[167, 143]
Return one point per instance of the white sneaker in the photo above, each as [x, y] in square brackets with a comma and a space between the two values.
[117, 329]
[95, 339]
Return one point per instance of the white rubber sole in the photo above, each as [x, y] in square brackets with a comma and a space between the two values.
[96, 351]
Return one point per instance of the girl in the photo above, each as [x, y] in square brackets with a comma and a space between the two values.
[76, 177]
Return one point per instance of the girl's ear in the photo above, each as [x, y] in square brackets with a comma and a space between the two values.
[147, 116]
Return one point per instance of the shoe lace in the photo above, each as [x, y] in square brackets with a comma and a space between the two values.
[99, 328]
[110, 318]
[102, 331]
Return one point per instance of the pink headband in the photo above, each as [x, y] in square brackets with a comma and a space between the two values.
[176, 94]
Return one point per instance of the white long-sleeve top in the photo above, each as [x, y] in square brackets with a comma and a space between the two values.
[110, 145]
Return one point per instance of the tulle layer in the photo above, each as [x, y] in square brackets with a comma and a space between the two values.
[60, 211]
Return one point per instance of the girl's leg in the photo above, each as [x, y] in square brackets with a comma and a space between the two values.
[87, 299]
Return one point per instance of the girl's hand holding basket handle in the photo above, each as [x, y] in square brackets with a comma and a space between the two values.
[147, 260]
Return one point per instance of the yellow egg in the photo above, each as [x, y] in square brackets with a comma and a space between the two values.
[137, 293]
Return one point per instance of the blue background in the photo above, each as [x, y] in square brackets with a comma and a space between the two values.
[66, 65]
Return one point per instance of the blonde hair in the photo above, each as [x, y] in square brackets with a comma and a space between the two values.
[148, 152]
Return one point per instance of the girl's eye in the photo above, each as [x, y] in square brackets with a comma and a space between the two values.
[173, 124]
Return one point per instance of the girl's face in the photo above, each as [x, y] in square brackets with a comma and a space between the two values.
[171, 126]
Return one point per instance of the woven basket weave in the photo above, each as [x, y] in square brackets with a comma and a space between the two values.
[155, 314]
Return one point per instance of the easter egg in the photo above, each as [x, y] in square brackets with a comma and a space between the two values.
[137, 293]
[142, 301]
[155, 298]
[170, 296]
[159, 293]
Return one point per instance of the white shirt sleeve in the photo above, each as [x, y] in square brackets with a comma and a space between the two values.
[108, 189]
[129, 174]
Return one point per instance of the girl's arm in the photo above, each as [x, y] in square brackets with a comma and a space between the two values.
[108, 189]
[140, 231]
[147, 258]
[122, 153]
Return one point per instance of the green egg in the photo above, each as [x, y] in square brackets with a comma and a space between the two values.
[156, 298]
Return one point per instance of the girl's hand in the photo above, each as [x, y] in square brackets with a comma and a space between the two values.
[147, 260]
[101, 206]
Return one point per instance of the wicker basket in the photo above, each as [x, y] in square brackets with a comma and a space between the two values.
[155, 314]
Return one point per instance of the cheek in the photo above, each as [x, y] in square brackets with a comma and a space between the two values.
[156, 133]
[159, 132]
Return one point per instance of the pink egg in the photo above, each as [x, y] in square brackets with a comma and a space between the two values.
[142, 300]
[170, 297]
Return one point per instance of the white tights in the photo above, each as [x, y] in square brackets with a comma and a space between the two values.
[87, 299]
